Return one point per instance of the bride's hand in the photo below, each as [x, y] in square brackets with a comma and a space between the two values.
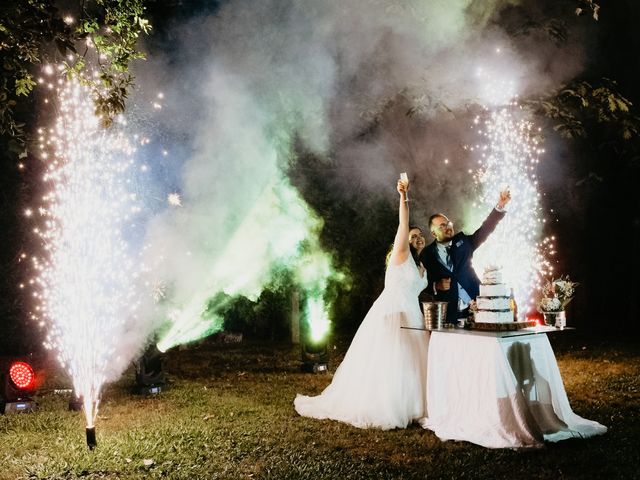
[402, 187]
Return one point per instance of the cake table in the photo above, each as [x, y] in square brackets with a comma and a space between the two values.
[499, 389]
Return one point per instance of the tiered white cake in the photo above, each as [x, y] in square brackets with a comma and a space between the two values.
[493, 302]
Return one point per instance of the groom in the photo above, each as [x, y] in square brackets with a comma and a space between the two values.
[448, 260]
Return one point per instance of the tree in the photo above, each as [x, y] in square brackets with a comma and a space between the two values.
[99, 33]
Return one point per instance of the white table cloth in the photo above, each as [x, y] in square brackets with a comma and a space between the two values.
[499, 391]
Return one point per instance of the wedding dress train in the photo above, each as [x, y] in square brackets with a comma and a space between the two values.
[381, 383]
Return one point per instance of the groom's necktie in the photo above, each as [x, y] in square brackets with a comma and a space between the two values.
[449, 261]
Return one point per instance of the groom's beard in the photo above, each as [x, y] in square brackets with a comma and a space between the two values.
[446, 236]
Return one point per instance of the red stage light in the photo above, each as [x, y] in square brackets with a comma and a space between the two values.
[22, 375]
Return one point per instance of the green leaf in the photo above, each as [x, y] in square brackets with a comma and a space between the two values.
[623, 104]
[25, 85]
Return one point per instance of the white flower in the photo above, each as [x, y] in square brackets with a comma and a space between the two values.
[548, 304]
[557, 293]
[561, 284]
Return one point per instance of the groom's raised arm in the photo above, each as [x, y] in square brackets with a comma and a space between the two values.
[491, 222]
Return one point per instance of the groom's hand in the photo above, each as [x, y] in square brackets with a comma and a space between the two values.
[505, 196]
[443, 284]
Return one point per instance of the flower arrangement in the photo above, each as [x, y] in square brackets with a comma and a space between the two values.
[556, 294]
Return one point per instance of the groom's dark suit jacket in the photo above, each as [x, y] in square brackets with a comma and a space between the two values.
[462, 248]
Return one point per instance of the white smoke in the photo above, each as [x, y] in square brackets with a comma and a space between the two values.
[240, 83]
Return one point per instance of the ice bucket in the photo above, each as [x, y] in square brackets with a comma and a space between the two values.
[435, 314]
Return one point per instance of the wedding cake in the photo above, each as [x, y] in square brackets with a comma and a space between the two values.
[493, 303]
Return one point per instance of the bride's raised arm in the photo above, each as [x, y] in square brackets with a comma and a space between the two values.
[400, 250]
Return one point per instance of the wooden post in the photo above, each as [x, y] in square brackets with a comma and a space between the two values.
[295, 318]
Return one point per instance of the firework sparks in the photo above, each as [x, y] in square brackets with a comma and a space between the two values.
[174, 200]
[85, 279]
[509, 157]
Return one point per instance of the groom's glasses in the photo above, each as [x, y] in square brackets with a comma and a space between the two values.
[442, 226]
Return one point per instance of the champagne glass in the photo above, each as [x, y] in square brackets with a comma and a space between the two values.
[404, 179]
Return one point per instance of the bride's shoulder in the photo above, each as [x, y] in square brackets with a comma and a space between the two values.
[397, 260]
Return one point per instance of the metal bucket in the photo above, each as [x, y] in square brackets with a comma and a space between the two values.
[435, 314]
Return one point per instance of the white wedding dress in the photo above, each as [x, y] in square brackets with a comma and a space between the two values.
[381, 383]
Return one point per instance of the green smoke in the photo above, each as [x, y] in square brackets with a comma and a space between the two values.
[279, 231]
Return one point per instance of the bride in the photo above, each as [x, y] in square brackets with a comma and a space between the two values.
[381, 383]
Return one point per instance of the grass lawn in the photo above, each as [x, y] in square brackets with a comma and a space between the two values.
[227, 413]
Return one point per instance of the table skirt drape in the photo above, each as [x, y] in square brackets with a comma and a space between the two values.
[499, 392]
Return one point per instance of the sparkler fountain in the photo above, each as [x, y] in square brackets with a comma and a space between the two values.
[85, 282]
[508, 157]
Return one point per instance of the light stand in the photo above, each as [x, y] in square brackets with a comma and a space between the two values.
[150, 377]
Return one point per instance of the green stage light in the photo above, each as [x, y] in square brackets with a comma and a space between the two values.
[315, 337]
